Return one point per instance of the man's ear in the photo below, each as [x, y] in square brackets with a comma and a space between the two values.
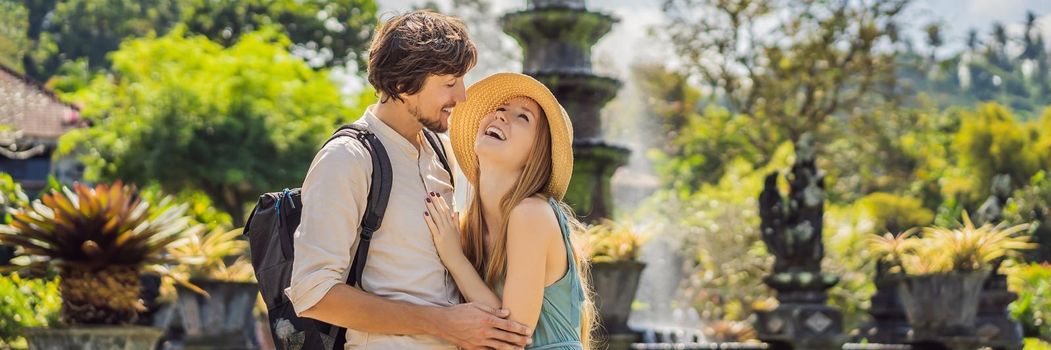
[404, 97]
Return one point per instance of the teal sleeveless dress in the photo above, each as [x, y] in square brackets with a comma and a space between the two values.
[559, 324]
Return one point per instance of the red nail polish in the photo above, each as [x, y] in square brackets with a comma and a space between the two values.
[426, 214]
[439, 195]
[428, 200]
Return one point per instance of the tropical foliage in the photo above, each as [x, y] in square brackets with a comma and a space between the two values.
[614, 241]
[100, 238]
[205, 253]
[228, 122]
[943, 250]
[43, 37]
[26, 302]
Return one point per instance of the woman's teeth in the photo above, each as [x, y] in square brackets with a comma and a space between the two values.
[496, 133]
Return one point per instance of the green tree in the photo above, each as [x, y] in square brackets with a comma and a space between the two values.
[188, 114]
[328, 33]
[697, 142]
[990, 142]
[788, 66]
[893, 213]
[894, 149]
[61, 31]
[13, 43]
[1043, 142]
[989, 69]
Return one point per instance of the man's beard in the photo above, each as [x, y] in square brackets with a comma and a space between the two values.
[432, 125]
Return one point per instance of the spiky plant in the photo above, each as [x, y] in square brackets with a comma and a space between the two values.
[611, 241]
[974, 247]
[99, 239]
[205, 253]
[892, 248]
[942, 250]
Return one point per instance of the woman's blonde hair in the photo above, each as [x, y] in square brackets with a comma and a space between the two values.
[491, 264]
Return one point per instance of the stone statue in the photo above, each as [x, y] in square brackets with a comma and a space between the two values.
[791, 228]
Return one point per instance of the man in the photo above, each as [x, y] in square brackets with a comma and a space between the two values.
[416, 63]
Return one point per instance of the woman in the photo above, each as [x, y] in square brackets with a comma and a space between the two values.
[513, 142]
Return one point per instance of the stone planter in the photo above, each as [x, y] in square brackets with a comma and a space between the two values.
[889, 324]
[942, 306]
[615, 284]
[222, 320]
[93, 338]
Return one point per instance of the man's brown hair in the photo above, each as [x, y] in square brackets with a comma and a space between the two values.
[409, 47]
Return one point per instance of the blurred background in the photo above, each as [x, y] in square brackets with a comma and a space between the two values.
[918, 112]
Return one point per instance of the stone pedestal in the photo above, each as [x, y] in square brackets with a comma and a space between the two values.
[615, 284]
[802, 320]
[617, 341]
[802, 326]
[93, 338]
[994, 326]
[889, 323]
[223, 319]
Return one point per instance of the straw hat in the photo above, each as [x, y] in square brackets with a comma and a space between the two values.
[484, 97]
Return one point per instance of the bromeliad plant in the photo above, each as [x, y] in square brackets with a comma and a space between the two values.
[100, 239]
[205, 255]
[611, 241]
[943, 272]
[943, 250]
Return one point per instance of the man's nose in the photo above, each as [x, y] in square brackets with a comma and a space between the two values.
[460, 94]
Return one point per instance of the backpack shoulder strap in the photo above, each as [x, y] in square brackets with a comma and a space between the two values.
[376, 206]
[439, 148]
[349, 130]
[379, 193]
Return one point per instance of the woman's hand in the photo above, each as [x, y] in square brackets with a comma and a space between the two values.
[445, 228]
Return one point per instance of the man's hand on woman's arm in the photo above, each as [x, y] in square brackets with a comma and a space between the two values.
[469, 326]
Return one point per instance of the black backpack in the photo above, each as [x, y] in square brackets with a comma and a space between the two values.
[270, 229]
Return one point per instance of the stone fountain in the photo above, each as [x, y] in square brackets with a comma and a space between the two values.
[557, 37]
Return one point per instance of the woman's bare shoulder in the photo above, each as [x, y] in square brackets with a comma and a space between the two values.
[533, 217]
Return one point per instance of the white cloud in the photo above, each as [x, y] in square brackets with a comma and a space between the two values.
[998, 9]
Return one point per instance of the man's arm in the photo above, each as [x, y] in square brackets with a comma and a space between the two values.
[469, 326]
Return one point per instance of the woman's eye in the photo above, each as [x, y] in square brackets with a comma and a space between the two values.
[523, 116]
[501, 109]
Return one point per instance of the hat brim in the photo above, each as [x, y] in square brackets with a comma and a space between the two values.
[484, 96]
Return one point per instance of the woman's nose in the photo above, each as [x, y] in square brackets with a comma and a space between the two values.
[502, 115]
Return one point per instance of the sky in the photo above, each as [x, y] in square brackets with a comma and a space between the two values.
[958, 16]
